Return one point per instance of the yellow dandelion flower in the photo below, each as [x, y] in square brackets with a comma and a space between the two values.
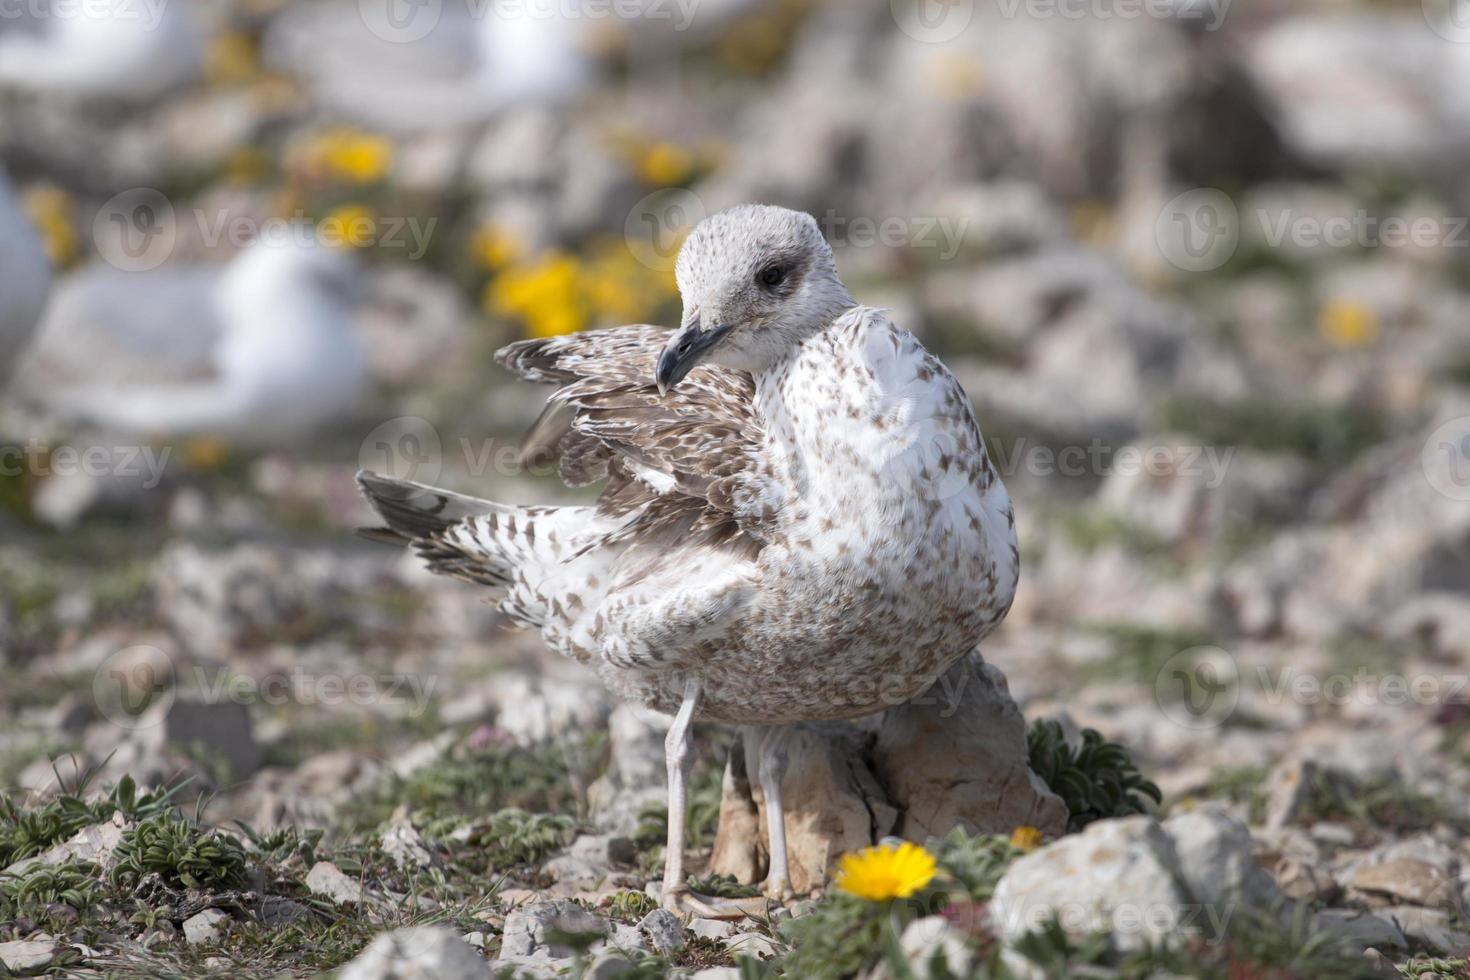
[351, 155]
[1026, 838]
[350, 226]
[52, 210]
[885, 872]
[494, 247]
[665, 164]
[1347, 323]
[545, 293]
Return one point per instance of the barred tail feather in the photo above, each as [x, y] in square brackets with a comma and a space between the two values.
[519, 550]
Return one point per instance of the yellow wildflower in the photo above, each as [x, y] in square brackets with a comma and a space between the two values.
[350, 226]
[1026, 838]
[1347, 323]
[544, 293]
[232, 59]
[494, 247]
[885, 872]
[205, 453]
[1091, 221]
[351, 155]
[665, 164]
[51, 210]
[247, 166]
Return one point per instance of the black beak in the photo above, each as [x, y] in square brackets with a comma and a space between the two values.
[687, 348]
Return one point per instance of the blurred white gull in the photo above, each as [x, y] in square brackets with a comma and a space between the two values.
[1360, 90]
[263, 351]
[471, 61]
[112, 49]
[26, 275]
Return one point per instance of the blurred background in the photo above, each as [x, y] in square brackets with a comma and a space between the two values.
[1203, 268]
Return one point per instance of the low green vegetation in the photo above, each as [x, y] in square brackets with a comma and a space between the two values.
[1096, 779]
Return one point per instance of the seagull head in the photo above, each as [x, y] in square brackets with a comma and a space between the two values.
[756, 282]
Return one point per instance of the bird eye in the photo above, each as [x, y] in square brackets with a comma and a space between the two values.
[772, 276]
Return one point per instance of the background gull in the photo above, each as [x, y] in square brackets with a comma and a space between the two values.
[470, 63]
[112, 49]
[28, 275]
[262, 350]
[800, 520]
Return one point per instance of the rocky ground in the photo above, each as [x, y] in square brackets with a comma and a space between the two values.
[1224, 732]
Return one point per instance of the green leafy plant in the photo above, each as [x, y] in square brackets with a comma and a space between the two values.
[28, 831]
[180, 851]
[977, 863]
[1096, 780]
[32, 893]
[510, 837]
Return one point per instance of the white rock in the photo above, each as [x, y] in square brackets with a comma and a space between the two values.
[925, 939]
[93, 845]
[330, 882]
[1119, 876]
[206, 927]
[752, 944]
[664, 929]
[528, 930]
[417, 953]
[403, 843]
[29, 955]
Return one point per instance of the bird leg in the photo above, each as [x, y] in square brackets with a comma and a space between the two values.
[677, 895]
[772, 770]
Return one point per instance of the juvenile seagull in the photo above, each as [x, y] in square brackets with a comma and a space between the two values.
[800, 521]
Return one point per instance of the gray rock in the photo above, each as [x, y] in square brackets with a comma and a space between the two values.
[1430, 927]
[717, 973]
[664, 929]
[1100, 880]
[956, 756]
[219, 731]
[531, 931]
[1216, 860]
[534, 710]
[417, 953]
[26, 956]
[1403, 880]
[1361, 930]
[206, 927]
[604, 849]
[609, 965]
[276, 911]
[329, 881]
